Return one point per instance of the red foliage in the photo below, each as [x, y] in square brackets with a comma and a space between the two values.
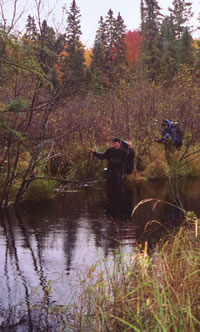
[133, 41]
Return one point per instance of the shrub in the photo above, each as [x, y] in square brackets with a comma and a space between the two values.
[41, 190]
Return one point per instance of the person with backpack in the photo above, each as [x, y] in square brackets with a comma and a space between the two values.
[171, 135]
[130, 158]
[171, 138]
[116, 157]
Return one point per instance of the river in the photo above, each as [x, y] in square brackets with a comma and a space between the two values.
[46, 247]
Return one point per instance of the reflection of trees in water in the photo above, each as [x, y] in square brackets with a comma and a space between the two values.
[108, 230]
[119, 201]
[24, 315]
[37, 262]
[11, 317]
[69, 244]
[115, 228]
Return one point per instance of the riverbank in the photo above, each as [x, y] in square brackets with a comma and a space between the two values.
[157, 291]
[74, 262]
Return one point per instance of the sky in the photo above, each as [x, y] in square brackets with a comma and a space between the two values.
[90, 13]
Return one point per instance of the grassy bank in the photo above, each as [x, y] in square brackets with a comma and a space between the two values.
[78, 165]
[152, 164]
[157, 292]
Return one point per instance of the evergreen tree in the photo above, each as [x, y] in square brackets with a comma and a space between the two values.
[168, 50]
[109, 52]
[73, 67]
[150, 52]
[197, 60]
[98, 58]
[186, 49]
[31, 29]
[181, 13]
[142, 14]
[109, 34]
[118, 52]
[119, 36]
[3, 54]
[47, 51]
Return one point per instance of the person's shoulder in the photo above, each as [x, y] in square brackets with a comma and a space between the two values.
[123, 151]
[109, 150]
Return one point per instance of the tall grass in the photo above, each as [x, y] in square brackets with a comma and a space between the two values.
[157, 292]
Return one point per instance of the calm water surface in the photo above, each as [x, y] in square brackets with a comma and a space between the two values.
[51, 244]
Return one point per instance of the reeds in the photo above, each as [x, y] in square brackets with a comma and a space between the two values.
[157, 292]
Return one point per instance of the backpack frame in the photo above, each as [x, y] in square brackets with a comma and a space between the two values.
[178, 133]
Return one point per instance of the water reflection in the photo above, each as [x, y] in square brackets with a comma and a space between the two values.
[119, 204]
[48, 244]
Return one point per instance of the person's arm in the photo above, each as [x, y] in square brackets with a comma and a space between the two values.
[159, 140]
[165, 137]
[100, 155]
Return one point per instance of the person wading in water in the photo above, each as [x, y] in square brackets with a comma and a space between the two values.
[116, 158]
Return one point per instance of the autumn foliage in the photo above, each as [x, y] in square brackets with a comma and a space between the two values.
[133, 41]
[58, 99]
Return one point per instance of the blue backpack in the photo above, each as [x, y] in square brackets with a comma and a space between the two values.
[178, 142]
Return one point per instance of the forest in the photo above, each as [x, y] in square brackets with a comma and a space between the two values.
[58, 99]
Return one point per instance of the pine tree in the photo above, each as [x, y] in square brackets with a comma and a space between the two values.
[109, 51]
[197, 60]
[98, 57]
[110, 21]
[168, 50]
[181, 13]
[119, 37]
[98, 81]
[47, 51]
[73, 67]
[150, 53]
[142, 14]
[186, 49]
[31, 29]
[118, 52]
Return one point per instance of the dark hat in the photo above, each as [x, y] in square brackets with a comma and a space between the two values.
[164, 122]
[116, 139]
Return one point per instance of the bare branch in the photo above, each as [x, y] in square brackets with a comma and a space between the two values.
[13, 11]
[2, 13]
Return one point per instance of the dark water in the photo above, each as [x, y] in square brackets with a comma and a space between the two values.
[49, 245]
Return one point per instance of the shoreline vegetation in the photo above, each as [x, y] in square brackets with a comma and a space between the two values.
[58, 100]
[153, 166]
[45, 183]
[151, 290]
[156, 290]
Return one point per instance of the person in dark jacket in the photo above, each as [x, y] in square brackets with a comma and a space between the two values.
[116, 157]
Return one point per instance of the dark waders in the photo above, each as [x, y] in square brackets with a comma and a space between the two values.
[114, 189]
